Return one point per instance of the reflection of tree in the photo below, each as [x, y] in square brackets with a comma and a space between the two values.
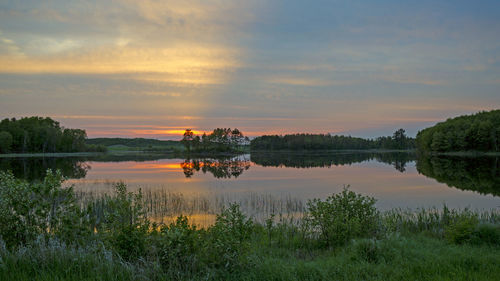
[480, 174]
[396, 159]
[310, 160]
[219, 168]
[34, 168]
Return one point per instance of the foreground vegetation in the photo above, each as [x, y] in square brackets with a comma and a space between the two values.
[47, 235]
[477, 132]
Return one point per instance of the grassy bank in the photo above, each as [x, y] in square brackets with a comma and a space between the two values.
[46, 235]
[403, 257]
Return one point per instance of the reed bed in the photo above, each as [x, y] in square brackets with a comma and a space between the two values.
[164, 205]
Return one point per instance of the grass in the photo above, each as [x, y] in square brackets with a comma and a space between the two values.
[396, 257]
[46, 236]
[408, 257]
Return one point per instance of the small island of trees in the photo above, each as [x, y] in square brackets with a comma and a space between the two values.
[220, 140]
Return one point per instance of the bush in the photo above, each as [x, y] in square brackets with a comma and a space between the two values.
[179, 247]
[28, 210]
[342, 217]
[228, 239]
[486, 234]
[461, 229]
[121, 221]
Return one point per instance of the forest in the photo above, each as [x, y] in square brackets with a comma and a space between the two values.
[399, 140]
[477, 132]
[41, 135]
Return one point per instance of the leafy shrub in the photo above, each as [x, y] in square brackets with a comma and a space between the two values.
[228, 239]
[342, 217]
[461, 229]
[121, 220]
[486, 234]
[179, 247]
[28, 210]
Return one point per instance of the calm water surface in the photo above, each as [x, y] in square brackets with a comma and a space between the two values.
[278, 182]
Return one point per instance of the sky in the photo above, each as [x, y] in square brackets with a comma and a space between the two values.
[126, 68]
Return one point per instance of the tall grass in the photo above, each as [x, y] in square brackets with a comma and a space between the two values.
[342, 237]
[164, 205]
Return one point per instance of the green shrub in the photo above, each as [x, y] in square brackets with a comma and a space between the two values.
[461, 229]
[28, 210]
[179, 247]
[486, 233]
[227, 242]
[342, 217]
[121, 221]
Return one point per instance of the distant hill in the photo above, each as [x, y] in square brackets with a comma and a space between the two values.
[135, 142]
[477, 132]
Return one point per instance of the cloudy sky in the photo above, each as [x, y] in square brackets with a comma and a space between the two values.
[153, 68]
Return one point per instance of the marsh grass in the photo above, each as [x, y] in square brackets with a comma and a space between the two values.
[124, 244]
[165, 205]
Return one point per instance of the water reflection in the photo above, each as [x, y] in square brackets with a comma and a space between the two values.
[390, 176]
[479, 174]
[35, 168]
[219, 168]
[313, 160]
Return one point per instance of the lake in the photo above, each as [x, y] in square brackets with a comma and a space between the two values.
[279, 183]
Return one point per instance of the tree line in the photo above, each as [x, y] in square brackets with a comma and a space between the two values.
[219, 140]
[478, 132]
[134, 142]
[399, 140]
[41, 135]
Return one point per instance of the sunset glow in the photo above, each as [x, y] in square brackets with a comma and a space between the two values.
[155, 68]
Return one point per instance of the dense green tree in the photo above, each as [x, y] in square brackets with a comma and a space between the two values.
[38, 134]
[399, 138]
[219, 140]
[5, 142]
[478, 132]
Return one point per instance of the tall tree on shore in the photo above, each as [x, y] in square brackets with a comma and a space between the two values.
[399, 138]
[187, 139]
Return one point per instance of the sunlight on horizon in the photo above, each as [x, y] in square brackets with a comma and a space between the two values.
[124, 68]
